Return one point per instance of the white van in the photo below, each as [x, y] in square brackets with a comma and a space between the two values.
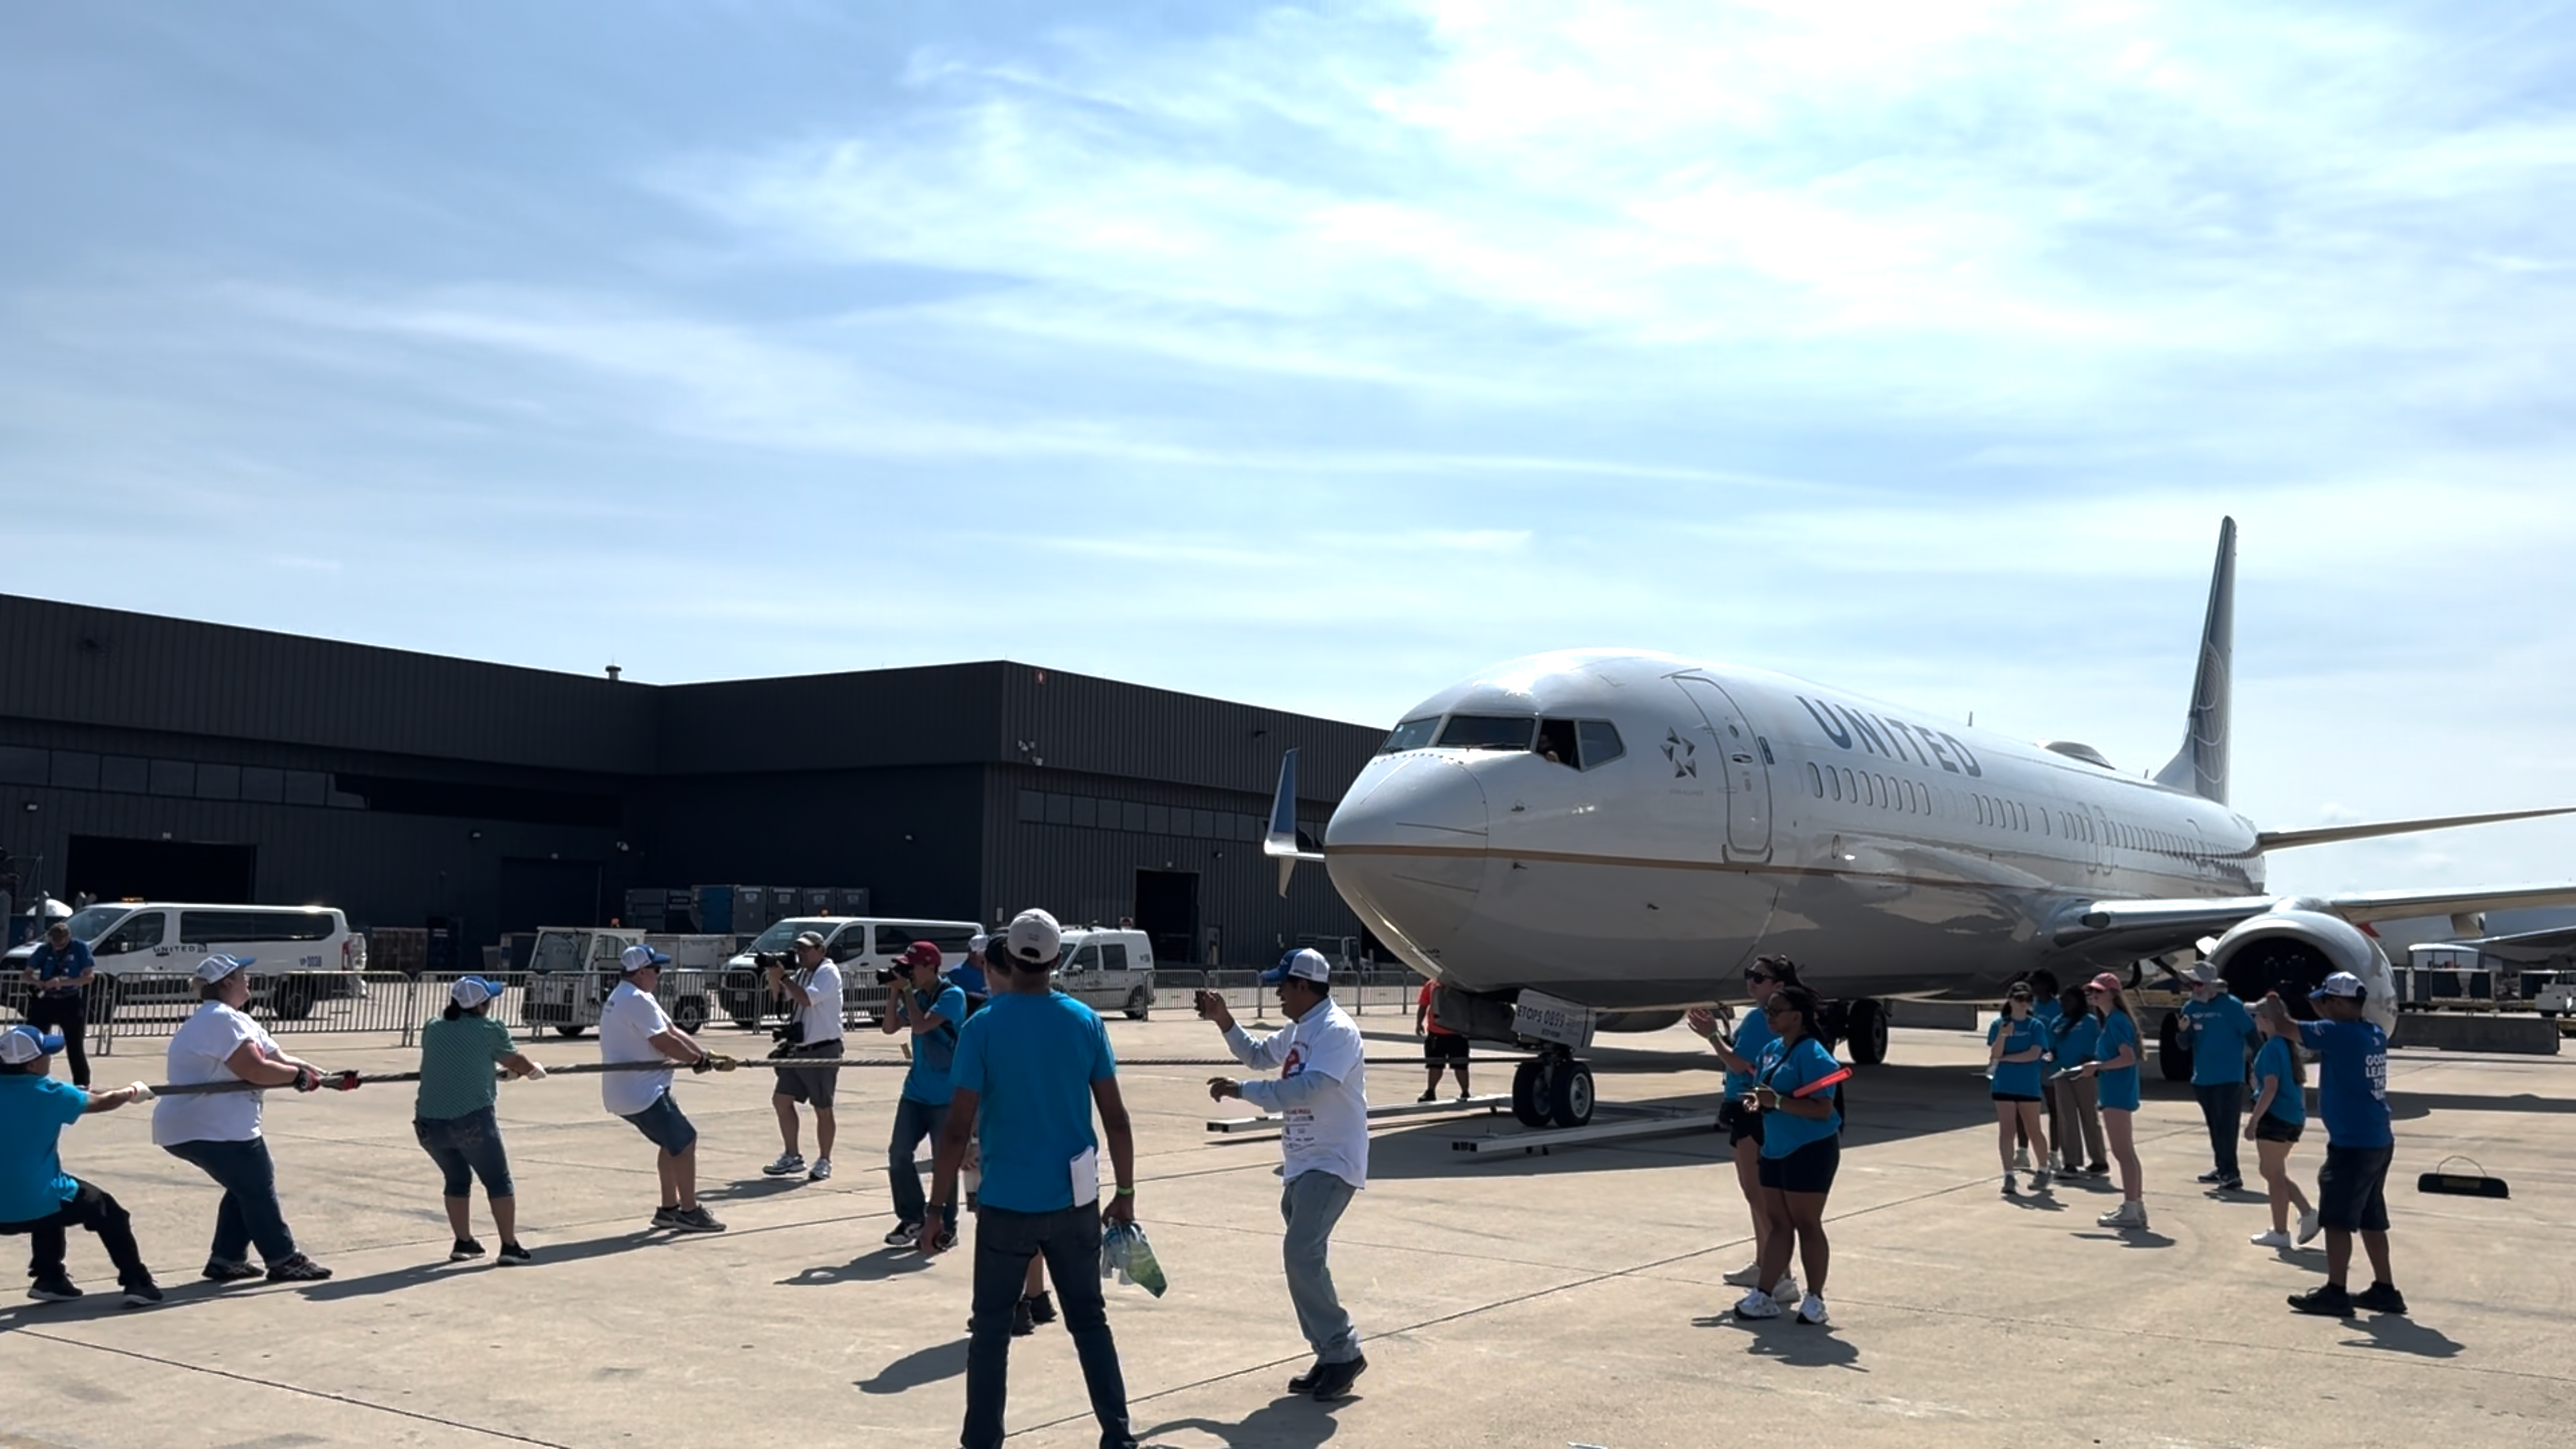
[149, 950]
[1108, 970]
[861, 946]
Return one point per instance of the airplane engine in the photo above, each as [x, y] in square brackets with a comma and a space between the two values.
[2294, 948]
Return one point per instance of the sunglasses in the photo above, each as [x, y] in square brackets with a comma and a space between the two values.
[1757, 978]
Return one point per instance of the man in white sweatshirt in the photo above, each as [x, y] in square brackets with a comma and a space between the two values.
[1322, 1098]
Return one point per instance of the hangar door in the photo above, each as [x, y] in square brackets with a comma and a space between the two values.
[111, 868]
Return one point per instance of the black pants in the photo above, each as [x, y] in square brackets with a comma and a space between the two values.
[68, 1015]
[2219, 1107]
[88, 1208]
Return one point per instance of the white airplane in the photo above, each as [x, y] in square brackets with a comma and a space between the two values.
[1616, 833]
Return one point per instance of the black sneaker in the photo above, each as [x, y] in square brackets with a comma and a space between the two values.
[947, 1239]
[2324, 1300]
[1042, 1306]
[515, 1255]
[2380, 1298]
[466, 1248]
[143, 1294]
[666, 1216]
[696, 1220]
[903, 1235]
[2097, 1169]
[1023, 1322]
[1334, 1380]
[53, 1288]
[1430, 1096]
[2211, 1178]
[229, 1270]
[1305, 1383]
[297, 1269]
[2230, 1183]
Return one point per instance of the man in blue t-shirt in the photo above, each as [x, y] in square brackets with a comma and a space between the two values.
[37, 1197]
[2215, 1025]
[2352, 1095]
[931, 1007]
[1032, 1065]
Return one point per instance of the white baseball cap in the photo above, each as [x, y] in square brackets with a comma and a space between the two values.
[1034, 939]
[638, 957]
[217, 966]
[2342, 983]
[1304, 965]
[976, 946]
[472, 991]
[22, 1044]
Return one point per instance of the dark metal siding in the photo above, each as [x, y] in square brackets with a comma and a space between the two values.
[911, 836]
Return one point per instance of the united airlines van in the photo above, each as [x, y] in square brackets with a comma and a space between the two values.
[861, 946]
[149, 950]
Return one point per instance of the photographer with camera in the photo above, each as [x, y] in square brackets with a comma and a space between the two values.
[813, 1029]
[929, 1005]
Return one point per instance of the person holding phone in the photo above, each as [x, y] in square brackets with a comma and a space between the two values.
[1796, 1089]
[2016, 1046]
[1741, 1055]
[2114, 1068]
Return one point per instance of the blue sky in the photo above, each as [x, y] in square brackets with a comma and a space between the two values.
[1318, 356]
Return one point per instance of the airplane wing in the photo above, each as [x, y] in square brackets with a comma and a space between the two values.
[2153, 927]
[1281, 843]
[2528, 947]
[2329, 834]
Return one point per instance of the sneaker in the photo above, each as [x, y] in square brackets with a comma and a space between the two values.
[297, 1269]
[2097, 1169]
[787, 1165]
[822, 1171]
[697, 1220]
[903, 1235]
[1756, 1304]
[1785, 1292]
[1429, 1096]
[2009, 1189]
[53, 1288]
[2211, 1178]
[1744, 1277]
[2131, 1214]
[1462, 1095]
[666, 1216]
[946, 1240]
[229, 1270]
[1334, 1380]
[2039, 1180]
[1024, 1320]
[465, 1248]
[143, 1294]
[2325, 1300]
[1812, 1311]
[2309, 1227]
[1305, 1383]
[2229, 1183]
[2021, 1159]
[515, 1255]
[2276, 1240]
[1041, 1306]
[2380, 1298]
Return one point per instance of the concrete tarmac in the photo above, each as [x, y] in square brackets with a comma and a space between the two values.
[1571, 1298]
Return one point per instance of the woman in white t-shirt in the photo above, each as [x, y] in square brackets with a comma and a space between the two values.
[220, 1131]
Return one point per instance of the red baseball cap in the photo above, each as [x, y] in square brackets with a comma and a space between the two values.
[919, 953]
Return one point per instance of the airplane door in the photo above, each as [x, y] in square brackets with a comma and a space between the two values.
[1747, 780]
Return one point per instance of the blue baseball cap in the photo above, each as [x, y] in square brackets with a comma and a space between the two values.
[1302, 965]
[22, 1044]
[472, 991]
[640, 957]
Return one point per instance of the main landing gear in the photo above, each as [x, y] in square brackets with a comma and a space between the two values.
[1552, 1089]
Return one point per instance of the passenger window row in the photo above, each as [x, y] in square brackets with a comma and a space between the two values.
[1895, 792]
[1042, 807]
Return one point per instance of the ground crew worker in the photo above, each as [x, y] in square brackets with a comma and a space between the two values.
[37, 1197]
[60, 973]
[1322, 1099]
[1440, 1047]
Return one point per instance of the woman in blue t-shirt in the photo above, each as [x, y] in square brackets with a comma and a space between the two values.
[2278, 1115]
[2016, 1048]
[2115, 1066]
[1742, 1054]
[2078, 1097]
[1795, 1088]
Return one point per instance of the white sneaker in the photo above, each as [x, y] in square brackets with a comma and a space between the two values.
[2309, 1227]
[822, 1170]
[1756, 1304]
[2273, 1239]
[1785, 1292]
[2009, 1189]
[2126, 1215]
[788, 1162]
[1813, 1310]
[2021, 1159]
[1744, 1277]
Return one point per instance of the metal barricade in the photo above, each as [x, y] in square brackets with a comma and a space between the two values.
[152, 1005]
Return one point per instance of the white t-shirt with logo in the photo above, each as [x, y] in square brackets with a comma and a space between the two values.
[1328, 1130]
[627, 1026]
[198, 1051]
[822, 1013]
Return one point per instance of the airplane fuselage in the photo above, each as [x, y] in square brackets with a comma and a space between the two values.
[1741, 812]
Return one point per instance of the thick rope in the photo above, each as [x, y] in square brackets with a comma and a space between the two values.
[352, 1081]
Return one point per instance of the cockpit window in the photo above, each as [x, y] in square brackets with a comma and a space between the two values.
[1413, 734]
[1600, 742]
[1556, 743]
[1488, 732]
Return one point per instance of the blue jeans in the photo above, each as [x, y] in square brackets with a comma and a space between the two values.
[914, 1120]
[1070, 1242]
[1312, 1202]
[466, 1148]
[249, 1212]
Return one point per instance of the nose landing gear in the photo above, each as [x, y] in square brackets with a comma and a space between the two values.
[1552, 1089]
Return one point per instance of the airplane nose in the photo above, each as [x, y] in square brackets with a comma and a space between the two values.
[1409, 849]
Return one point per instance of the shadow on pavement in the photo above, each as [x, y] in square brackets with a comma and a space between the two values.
[921, 1366]
[394, 1280]
[868, 1268]
[2393, 1334]
[1289, 1422]
[1786, 1340]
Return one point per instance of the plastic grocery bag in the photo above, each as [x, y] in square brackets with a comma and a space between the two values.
[1125, 1253]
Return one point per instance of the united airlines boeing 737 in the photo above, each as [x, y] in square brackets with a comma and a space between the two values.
[1619, 832]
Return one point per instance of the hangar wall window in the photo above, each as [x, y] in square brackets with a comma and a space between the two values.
[1600, 742]
[1413, 734]
[1488, 732]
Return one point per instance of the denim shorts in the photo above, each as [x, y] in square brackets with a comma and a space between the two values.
[466, 1148]
[664, 1126]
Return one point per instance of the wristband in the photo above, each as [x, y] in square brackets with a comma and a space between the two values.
[1125, 1192]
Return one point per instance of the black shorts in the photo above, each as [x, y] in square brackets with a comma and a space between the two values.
[2268, 1128]
[810, 1087]
[2352, 1189]
[1438, 1048]
[2012, 1097]
[1809, 1169]
[1745, 1126]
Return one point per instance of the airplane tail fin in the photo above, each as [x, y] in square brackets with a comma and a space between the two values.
[2201, 766]
[1280, 842]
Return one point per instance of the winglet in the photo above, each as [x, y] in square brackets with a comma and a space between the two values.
[1280, 844]
[2201, 766]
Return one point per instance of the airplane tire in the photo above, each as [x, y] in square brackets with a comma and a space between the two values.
[1569, 1103]
[2170, 1055]
[1529, 1093]
[1868, 1032]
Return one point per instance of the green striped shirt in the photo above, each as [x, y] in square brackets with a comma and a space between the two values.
[456, 1064]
